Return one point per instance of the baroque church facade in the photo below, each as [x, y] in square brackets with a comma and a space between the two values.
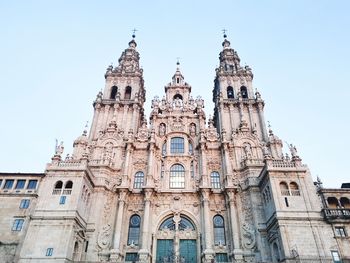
[182, 187]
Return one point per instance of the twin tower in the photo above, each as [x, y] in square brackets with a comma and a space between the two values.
[183, 188]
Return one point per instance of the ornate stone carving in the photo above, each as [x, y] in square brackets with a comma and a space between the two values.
[214, 164]
[248, 233]
[143, 134]
[177, 124]
[103, 239]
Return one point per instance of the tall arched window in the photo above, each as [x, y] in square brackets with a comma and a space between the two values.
[177, 145]
[215, 180]
[192, 169]
[134, 230]
[177, 176]
[138, 180]
[230, 94]
[127, 95]
[244, 92]
[114, 91]
[219, 230]
[276, 253]
[284, 188]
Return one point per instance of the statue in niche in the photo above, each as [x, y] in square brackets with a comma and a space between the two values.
[193, 129]
[162, 129]
[177, 103]
[248, 150]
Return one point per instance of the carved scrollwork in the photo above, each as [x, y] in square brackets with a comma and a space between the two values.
[248, 232]
[103, 239]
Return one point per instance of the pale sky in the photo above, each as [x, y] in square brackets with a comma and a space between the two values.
[53, 56]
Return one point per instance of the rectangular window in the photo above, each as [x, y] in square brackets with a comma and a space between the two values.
[32, 184]
[17, 225]
[0, 182]
[221, 257]
[336, 257]
[24, 203]
[132, 257]
[8, 184]
[340, 232]
[63, 199]
[20, 184]
[177, 145]
[49, 252]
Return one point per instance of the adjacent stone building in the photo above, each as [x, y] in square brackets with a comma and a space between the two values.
[182, 187]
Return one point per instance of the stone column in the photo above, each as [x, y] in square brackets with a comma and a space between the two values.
[95, 121]
[144, 251]
[234, 223]
[116, 252]
[208, 251]
[262, 121]
[105, 117]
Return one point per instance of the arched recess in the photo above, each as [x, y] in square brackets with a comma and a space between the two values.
[345, 202]
[176, 238]
[284, 188]
[127, 94]
[244, 92]
[294, 188]
[114, 91]
[230, 94]
[332, 202]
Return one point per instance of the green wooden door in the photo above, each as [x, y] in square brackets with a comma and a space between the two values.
[165, 250]
[188, 251]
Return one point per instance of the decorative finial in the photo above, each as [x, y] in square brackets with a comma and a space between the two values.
[224, 32]
[133, 32]
[177, 61]
[269, 124]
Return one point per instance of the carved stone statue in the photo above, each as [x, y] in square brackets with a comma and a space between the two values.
[162, 129]
[293, 150]
[59, 148]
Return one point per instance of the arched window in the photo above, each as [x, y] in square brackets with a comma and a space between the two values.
[127, 95]
[185, 224]
[244, 92]
[177, 97]
[138, 180]
[177, 176]
[230, 94]
[284, 188]
[58, 185]
[219, 230]
[69, 185]
[177, 145]
[114, 91]
[344, 202]
[294, 188]
[57, 188]
[168, 224]
[134, 230]
[332, 202]
[215, 180]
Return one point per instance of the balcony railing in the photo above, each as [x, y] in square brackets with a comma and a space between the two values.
[336, 213]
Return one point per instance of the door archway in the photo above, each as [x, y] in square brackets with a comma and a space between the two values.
[176, 240]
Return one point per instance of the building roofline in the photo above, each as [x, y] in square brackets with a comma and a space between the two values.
[21, 174]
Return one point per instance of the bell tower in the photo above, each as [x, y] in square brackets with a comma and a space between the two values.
[236, 103]
[122, 101]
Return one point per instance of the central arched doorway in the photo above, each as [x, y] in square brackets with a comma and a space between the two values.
[176, 240]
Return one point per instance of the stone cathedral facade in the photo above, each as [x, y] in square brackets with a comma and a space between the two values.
[181, 187]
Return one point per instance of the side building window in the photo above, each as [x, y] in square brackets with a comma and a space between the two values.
[177, 176]
[32, 184]
[20, 184]
[134, 230]
[138, 180]
[219, 230]
[215, 180]
[17, 225]
[24, 203]
[8, 184]
[177, 145]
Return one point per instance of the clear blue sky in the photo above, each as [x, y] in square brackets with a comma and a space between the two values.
[53, 56]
